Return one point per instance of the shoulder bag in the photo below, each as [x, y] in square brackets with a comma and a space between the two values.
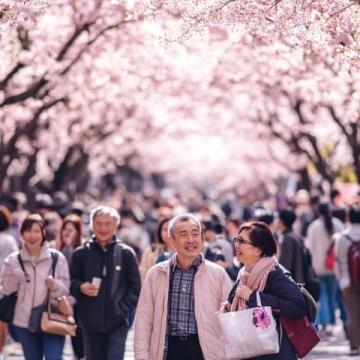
[250, 332]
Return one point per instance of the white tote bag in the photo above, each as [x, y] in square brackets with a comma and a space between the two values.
[250, 332]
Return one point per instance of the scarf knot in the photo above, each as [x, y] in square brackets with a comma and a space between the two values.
[255, 278]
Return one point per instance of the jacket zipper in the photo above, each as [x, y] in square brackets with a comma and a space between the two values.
[104, 274]
[34, 286]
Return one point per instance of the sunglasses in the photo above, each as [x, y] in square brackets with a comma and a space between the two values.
[238, 240]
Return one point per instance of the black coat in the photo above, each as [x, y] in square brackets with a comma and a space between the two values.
[119, 290]
[291, 256]
[284, 297]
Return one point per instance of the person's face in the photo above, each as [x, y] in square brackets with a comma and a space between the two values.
[280, 226]
[232, 228]
[69, 234]
[209, 235]
[33, 238]
[246, 253]
[104, 228]
[187, 241]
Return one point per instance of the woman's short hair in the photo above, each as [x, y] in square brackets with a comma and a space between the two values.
[260, 236]
[32, 219]
[74, 220]
[5, 218]
[161, 224]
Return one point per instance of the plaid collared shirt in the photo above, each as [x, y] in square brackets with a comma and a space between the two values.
[181, 310]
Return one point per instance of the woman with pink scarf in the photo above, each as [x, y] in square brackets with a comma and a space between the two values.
[256, 249]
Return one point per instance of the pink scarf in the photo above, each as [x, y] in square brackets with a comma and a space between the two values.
[255, 278]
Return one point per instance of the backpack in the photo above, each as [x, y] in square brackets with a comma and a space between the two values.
[310, 303]
[309, 299]
[353, 257]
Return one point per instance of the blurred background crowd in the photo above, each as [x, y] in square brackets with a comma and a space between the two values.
[305, 226]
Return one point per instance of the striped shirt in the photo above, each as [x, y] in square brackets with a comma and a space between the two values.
[181, 311]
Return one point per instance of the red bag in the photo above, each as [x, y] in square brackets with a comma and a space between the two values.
[330, 257]
[301, 333]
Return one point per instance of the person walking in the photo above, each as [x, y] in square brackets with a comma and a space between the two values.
[261, 274]
[350, 291]
[105, 281]
[70, 239]
[33, 283]
[319, 240]
[8, 244]
[159, 249]
[176, 315]
[291, 252]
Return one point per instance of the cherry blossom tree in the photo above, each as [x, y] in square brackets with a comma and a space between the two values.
[246, 84]
[48, 88]
[305, 96]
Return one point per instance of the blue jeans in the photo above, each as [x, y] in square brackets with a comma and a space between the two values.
[108, 345]
[329, 286]
[341, 305]
[37, 345]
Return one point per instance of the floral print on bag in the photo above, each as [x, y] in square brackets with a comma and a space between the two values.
[260, 318]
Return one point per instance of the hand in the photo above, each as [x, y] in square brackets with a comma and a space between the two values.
[89, 289]
[49, 282]
[224, 307]
[244, 292]
[65, 307]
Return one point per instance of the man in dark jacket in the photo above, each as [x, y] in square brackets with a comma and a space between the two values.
[105, 280]
[291, 254]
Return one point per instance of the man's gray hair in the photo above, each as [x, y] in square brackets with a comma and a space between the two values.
[182, 218]
[104, 210]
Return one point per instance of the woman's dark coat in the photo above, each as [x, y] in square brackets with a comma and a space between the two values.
[285, 298]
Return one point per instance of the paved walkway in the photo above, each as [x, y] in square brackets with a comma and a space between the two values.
[330, 348]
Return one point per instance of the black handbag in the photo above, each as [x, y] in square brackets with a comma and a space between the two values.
[8, 302]
[37, 314]
[35, 318]
[7, 307]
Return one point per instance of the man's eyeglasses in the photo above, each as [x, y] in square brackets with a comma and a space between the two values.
[238, 240]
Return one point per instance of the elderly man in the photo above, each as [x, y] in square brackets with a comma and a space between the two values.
[105, 281]
[176, 317]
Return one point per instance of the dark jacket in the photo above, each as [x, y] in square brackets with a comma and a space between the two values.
[285, 298]
[120, 286]
[291, 256]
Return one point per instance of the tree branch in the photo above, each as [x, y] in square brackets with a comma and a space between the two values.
[34, 88]
[28, 93]
[339, 123]
[9, 76]
[23, 37]
[72, 39]
[87, 45]
[10, 151]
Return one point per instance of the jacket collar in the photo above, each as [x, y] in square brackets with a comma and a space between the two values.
[166, 265]
[113, 241]
[43, 254]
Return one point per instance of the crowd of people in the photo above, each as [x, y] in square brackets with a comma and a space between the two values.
[172, 262]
